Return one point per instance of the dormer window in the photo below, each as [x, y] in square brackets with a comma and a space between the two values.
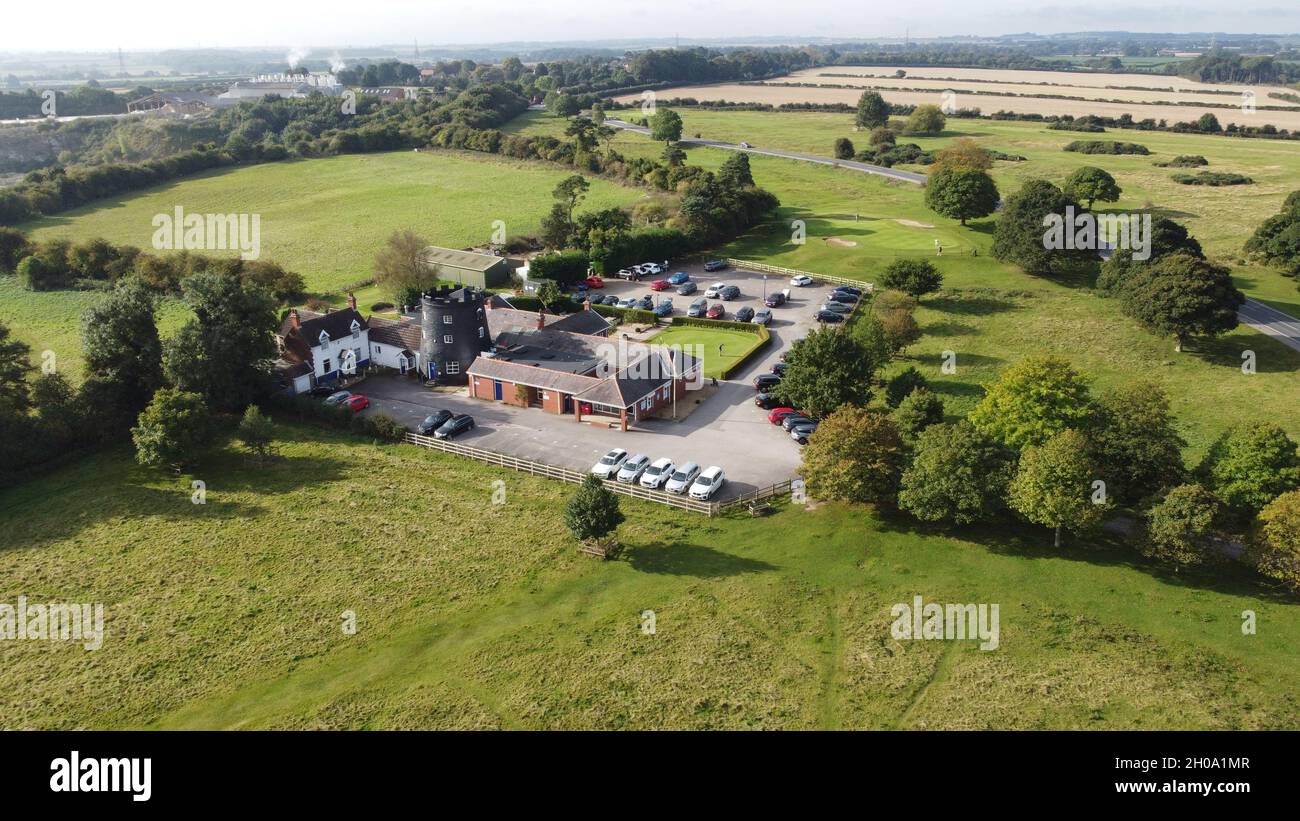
[356, 329]
[324, 339]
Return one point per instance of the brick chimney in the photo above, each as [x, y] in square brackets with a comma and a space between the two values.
[352, 301]
[541, 320]
[294, 319]
[586, 304]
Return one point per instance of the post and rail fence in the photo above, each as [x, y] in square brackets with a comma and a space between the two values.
[764, 268]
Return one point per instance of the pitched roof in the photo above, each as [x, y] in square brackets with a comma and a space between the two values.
[399, 334]
[435, 255]
[337, 324]
[582, 322]
[536, 376]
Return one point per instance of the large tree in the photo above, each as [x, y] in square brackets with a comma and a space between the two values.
[173, 430]
[1183, 296]
[827, 369]
[1276, 241]
[1018, 236]
[962, 153]
[925, 120]
[957, 475]
[1274, 549]
[1053, 485]
[592, 512]
[856, 455]
[1183, 528]
[666, 126]
[735, 171]
[873, 111]
[1091, 184]
[15, 367]
[1032, 401]
[123, 353]
[914, 277]
[1167, 237]
[1251, 464]
[1135, 443]
[223, 352]
[961, 193]
[400, 267]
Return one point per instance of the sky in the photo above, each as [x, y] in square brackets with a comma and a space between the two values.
[101, 25]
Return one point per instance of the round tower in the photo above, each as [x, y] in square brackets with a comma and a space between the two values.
[453, 332]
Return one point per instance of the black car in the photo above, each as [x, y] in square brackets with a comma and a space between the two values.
[843, 296]
[849, 289]
[838, 307]
[456, 425]
[775, 300]
[729, 293]
[767, 401]
[765, 381]
[795, 419]
[828, 316]
[779, 368]
[647, 303]
[322, 391]
[715, 265]
[433, 421]
[744, 314]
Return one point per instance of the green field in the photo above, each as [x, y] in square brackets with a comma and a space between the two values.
[228, 615]
[723, 347]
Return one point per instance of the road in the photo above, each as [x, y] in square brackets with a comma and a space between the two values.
[1282, 327]
[852, 165]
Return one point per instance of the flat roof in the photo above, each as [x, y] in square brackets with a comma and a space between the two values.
[435, 255]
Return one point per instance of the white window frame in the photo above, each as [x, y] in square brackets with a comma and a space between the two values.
[447, 339]
[453, 367]
[447, 319]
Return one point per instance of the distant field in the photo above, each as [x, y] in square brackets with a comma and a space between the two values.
[228, 615]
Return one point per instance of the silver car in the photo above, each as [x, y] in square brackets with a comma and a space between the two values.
[762, 317]
[633, 468]
[682, 478]
[698, 308]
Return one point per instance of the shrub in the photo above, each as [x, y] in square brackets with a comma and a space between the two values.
[1106, 147]
[914, 277]
[1274, 549]
[1184, 161]
[1182, 530]
[1212, 178]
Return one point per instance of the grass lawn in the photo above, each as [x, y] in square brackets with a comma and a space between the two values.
[722, 347]
[228, 615]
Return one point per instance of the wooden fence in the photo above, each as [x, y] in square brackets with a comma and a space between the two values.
[764, 268]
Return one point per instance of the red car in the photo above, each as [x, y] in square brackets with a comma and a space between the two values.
[716, 311]
[660, 285]
[356, 402]
[778, 415]
[594, 282]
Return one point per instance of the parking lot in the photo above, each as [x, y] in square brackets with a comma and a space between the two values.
[725, 429]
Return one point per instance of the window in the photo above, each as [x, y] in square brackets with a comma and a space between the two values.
[446, 339]
[325, 366]
[481, 331]
[453, 367]
[446, 319]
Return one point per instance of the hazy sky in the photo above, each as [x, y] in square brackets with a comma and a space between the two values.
[153, 24]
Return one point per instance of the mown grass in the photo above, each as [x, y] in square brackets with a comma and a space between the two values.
[229, 614]
[722, 347]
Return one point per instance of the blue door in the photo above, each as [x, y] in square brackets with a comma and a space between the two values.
[496, 390]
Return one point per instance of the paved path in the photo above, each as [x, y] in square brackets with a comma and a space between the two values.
[1282, 327]
[852, 165]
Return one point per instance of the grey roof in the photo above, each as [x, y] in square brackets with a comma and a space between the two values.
[537, 377]
[399, 334]
[583, 322]
[452, 258]
[337, 324]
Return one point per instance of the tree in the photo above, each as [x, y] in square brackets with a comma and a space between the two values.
[223, 352]
[1052, 485]
[123, 353]
[1249, 465]
[673, 156]
[257, 433]
[1018, 236]
[400, 267]
[844, 149]
[961, 193]
[1208, 123]
[1091, 184]
[1182, 529]
[902, 384]
[826, 370]
[172, 430]
[856, 455]
[1167, 237]
[1274, 548]
[592, 512]
[666, 126]
[563, 105]
[919, 410]
[964, 154]
[549, 293]
[13, 247]
[914, 277]
[735, 172]
[873, 111]
[957, 475]
[569, 192]
[882, 137]
[15, 366]
[1032, 401]
[1276, 241]
[925, 119]
[597, 113]
[1182, 296]
[1135, 444]
[892, 312]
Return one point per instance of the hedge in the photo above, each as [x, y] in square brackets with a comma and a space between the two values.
[309, 409]
[764, 337]
[1213, 178]
[627, 314]
[1106, 147]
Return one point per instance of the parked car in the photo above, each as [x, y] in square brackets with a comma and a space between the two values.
[837, 307]
[628, 274]
[432, 422]
[843, 296]
[776, 299]
[594, 282]
[679, 278]
[337, 397]
[849, 289]
[660, 285]
[356, 402]
[698, 308]
[716, 311]
[715, 265]
[646, 303]
[687, 288]
[766, 401]
[659, 471]
[775, 415]
[708, 483]
[800, 433]
[682, 478]
[793, 421]
[629, 302]
[610, 300]
[715, 289]
[664, 308]
[632, 468]
[652, 268]
[763, 317]
[322, 391]
[610, 464]
[828, 316]
[746, 145]
[765, 381]
[744, 314]
[455, 426]
[779, 369]
[801, 280]
[730, 292]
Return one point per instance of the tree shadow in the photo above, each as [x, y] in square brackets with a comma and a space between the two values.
[1271, 356]
[954, 302]
[691, 560]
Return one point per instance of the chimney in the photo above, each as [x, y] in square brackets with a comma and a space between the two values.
[541, 320]
[295, 319]
[352, 301]
[586, 304]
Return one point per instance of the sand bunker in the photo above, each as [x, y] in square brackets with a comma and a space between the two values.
[843, 243]
[914, 224]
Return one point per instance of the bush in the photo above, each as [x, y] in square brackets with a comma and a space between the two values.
[899, 387]
[1182, 529]
[919, 410]
[1184, 161]
[915, 277]
[1106, 147]
[1212, 178]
